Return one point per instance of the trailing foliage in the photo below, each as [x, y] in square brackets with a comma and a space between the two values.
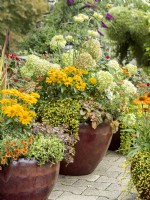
[130, 31]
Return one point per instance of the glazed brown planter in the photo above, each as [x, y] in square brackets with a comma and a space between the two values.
[90, 150]
[24, 180]
[115, 142]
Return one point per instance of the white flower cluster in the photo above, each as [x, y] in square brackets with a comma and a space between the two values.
[129, 120]
[68, 57]
[93, 47]
[69, 38]
[93, 33]
[80, 18]
[97, 16]
[128, 88]
[57, 42]
[105, 79]
[36, 66]
[85, 61]
[115, 65]
[132, 69]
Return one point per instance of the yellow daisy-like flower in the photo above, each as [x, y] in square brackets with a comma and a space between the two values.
[10, 111]
[93, 81]
[81, 86]
[8, 101]
[11, 92]
[70, 69]
[77, 78]
[68, 81]
[28, 99]
[25, 118]
[36, 95]
[141, 100]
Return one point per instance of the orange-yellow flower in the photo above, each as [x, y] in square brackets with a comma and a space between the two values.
[8, 154]
[141, 100]
[93, 81]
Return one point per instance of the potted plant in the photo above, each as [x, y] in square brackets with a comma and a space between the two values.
[75, 89]
[28, 167]
[139, 153]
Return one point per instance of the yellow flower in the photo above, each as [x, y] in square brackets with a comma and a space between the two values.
[11, 92]
[28, 98]
[68, 81]
[77, 78]
[25, 118]
[70, 69]
[8, 101]
[141, 100]
[36, 95]
[10, 111]
[80, 86]
[93, 81]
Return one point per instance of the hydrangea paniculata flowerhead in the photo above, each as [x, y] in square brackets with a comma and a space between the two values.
[85, 61]
[93, 33]
[97, 16]
[35, 66]
[93, 47]
[132, 69]
[129, 120]
[80, 18]
[69, 38]
[68, 57]
[128, 88]
[105, 79]
[57, 42]
[115, 65]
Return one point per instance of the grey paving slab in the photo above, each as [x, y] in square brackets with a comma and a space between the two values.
[107, 182]
[70, 196]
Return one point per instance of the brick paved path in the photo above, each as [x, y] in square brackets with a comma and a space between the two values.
[105, 183]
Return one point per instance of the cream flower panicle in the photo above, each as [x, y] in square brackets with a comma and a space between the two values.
[128, 88]
[105, 79]
[129, 120]
[132, 69]
[97, 16]
[85, 61]
[57, 42]
[80, 18]
[93, 33]
[93, 47]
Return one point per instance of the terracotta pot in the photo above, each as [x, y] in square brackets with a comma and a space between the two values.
[115, 142]
[24, 180]
[90, 150]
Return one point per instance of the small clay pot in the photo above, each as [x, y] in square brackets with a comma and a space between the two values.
[25, 180]
[89, 150]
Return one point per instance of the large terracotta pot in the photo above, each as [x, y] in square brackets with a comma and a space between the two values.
[24, 180]
[90, 149]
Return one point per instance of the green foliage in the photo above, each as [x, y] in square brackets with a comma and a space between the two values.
[19, 16]
[46, 149]
[61, 112]
[130, 30]
[140, 173]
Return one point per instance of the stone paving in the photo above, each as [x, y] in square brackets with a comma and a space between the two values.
[107, 182]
